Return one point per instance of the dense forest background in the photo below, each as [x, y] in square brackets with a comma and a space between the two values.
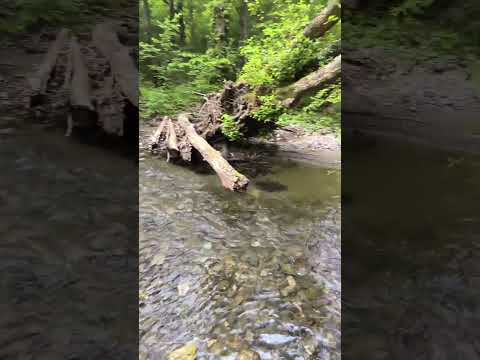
[191, 47]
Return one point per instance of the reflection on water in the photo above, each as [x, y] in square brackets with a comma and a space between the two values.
[411, 254]
[233, 271]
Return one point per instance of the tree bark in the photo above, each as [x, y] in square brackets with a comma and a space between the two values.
[172, 144]
[244, 17]
[312, 82]
[322, 23]
[171, 8]
[121, 63]
[181, 24]
[191, 21]
[39, 80]
[220, 27]
[148, 20]
[229, 177]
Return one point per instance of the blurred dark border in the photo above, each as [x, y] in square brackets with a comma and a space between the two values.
[68, 197]
[410, 174]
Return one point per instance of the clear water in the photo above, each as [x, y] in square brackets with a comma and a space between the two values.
[238, 271]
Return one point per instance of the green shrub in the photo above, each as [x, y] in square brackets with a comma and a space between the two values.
[230, 128]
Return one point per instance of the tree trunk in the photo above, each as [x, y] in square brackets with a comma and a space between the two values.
[229, 177]
[181, 24]
[312, 82]
[171, 8]
[220, 27]
[244, 17]
[322, 23]
[39, 80]
[191, 21]
[148, 20]
[121, 63]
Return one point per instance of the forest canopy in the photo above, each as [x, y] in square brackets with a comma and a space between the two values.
[189, 48]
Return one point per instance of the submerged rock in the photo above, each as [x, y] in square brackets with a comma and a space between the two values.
[271, 186]
[187, 352]
[248, 355]
[276, 339]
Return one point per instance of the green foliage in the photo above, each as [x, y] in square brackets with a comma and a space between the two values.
[322, 112]
[275, 53]
[230, 128]
[280, 53]
[269, 110]
[31, 14]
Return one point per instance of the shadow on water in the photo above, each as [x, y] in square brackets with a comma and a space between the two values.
[412, 254]
[233, 271]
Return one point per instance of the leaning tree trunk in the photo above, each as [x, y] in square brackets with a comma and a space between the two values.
[312, 82]
[324, 22]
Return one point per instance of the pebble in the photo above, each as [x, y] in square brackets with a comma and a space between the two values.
[187, 352]
[248, 355]
[276, 339]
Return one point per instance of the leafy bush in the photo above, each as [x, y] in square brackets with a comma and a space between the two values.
[230, 128]
[322, 112]
[269, 110]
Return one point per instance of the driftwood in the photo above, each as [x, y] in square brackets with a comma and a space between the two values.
[230, 178]
[312, 82]
[39, 80]
[122, 66]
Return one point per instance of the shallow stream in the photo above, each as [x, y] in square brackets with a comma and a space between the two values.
[231, 272]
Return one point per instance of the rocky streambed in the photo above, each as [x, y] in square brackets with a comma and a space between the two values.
[234, 276]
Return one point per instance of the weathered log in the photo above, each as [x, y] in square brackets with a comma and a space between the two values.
[230, 178]
[111, 107]
[172, 145]
[39, 80]
[157, 135]
[324, 21]
[83, 112]
[312, 82]
[122, 66]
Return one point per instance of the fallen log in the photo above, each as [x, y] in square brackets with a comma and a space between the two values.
[83, 112]
[230, 178]
[156, 138]
[172, 145]
[121, 63]
[39, 80]
[312, 82]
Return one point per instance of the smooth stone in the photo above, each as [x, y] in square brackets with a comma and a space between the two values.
[187, 352]
[276, 339]
[248, 355]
